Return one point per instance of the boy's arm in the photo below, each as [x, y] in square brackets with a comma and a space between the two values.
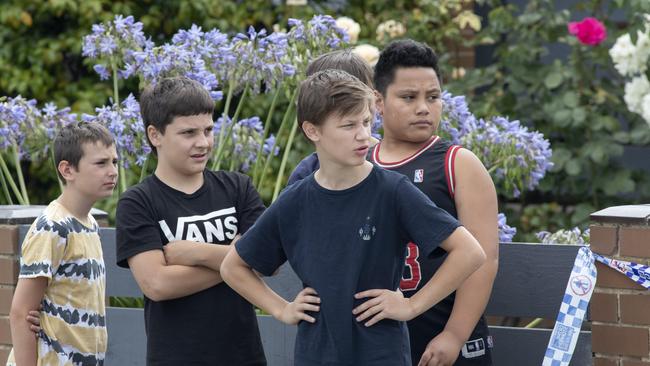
[476, 204]
[189, 253]
[464, 257]
[28, 296]
[160, 281]
[241, 278]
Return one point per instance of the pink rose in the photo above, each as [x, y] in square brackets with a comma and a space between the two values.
[590, 31]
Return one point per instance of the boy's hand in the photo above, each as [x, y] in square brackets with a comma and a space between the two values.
[34, 320]
[443, 350]
[384, 304]
[294, 312]
[180, 252]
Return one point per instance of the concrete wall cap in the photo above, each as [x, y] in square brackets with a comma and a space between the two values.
[631, 214]
[18, 214]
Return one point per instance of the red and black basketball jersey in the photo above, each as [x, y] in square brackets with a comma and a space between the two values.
[431, 169]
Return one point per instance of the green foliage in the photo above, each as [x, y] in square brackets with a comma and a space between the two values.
[576, 102]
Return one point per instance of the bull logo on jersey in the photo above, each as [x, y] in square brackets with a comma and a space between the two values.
[367, 231]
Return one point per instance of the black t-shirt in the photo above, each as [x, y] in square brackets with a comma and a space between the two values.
[340, 243]
[215, 326]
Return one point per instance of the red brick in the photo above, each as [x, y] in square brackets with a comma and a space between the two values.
[634, 309]
[604, 307]
[605, 361]
[602, 239]
[8, 271]
[6, 295]
[620, 340]
[635, 363]
[608, 277]
[8, 239]
[4, 355]
[5, 331]
[634, 242]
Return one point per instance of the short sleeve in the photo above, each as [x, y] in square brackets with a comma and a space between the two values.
[43, 249]
[136, 231]
[423, 222]
[306, 166]
[250, 204]
[261, 246]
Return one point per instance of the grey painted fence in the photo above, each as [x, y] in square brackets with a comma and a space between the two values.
[530, 283]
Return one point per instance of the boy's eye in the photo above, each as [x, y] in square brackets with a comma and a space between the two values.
[433, 97]
[408, 97]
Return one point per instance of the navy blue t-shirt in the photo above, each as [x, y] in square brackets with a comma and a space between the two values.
[306, 166]
[340, 243]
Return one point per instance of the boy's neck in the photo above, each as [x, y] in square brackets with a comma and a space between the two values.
[337, 178]
[396, 150]
[76, 203]
[185, 183]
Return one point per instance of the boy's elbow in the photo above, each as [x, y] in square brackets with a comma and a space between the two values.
[226, 269]
[478, 254]
[154, 289]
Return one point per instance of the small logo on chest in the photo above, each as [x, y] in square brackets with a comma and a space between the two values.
[418, 176]
[367, 231]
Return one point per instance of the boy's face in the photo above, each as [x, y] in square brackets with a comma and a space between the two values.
[412, 107]
[344, 139]
[96, 174]
[186, 144]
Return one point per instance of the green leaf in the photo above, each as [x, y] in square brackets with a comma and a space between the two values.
[553, 80]
[573, 167]
[571, 99]
[579, 116]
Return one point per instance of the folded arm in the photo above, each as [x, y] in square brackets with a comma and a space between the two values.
[161, 281]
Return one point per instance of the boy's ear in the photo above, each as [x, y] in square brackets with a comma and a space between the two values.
[154, 135]
[67, 170]
[379, 103]
[311, 131]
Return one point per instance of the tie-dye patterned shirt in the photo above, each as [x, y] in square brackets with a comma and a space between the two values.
[67, 251]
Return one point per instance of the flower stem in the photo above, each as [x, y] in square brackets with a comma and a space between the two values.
[4, 188]
[285, 156]
[224, 115]
[221, 149]
[19, 173]
[116, 93]
[10, 179]
[534, 323]
[122, 173]
[267, 127]
[143, 171]
[285, 119]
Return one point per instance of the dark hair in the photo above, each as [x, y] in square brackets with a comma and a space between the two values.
[330, 92]
[403, 53]
[170, 98]
[68, 143]
[345, 60]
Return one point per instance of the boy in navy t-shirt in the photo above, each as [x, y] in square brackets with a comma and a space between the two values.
[344, 230]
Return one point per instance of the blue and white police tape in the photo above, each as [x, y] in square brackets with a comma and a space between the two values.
[576, 299]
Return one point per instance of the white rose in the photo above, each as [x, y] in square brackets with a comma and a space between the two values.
[367, 52]
[645, 108]
[628, 58]
[390, 29]
[635, 90]
[351, 27]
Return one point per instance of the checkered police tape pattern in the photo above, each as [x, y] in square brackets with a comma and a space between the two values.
[638, 273]
[576, 299]
[572, 311]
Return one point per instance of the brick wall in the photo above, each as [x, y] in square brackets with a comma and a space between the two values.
[620, 308]
[11, 217]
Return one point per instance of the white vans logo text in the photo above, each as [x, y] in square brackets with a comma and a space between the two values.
[215, 226]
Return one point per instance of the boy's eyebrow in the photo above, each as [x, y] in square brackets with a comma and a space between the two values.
[415, 90]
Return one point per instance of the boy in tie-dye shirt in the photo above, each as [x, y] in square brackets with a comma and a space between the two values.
[62, 267]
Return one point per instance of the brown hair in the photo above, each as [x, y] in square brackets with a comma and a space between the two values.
[68, 143]
[173, 97]
[331, 92]
[345, 60]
